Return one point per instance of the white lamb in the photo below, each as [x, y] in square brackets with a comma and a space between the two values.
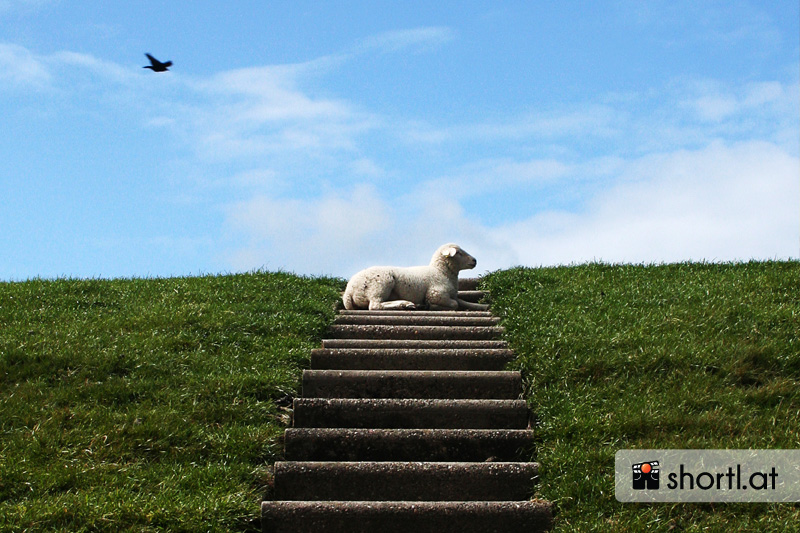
[383, 287]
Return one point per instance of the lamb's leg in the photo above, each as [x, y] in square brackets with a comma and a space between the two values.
[394, 304]
[442, 302]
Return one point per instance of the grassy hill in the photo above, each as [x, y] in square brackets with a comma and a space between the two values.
[674, 356]
[156, 405]
[149, 405]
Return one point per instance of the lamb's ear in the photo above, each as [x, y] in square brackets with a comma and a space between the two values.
[449, 252]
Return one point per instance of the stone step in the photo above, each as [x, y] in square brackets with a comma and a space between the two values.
[468, 284]
[409, 423]
[414, 344]
[344, 444]
[404, 481]
[400, 312]
[473, 296]
[449, 384]
[410, 413]
[416, 332]
[409, 359]
[402, 517]
[411, 319]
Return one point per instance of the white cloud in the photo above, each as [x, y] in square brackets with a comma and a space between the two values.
[715, 108]
[340, 234]
[265, 179]
[367, 167]
[19, 67]
[706, 24]
[23, 68]
[660, 187]
[274, 111]
[719, 203]
[495, 175]
[107, 70]
[587, 120]
[712, 102]
[419, 38]
[271, 109]
[263, 111]
[266, 126]
[687, 112]
[310, 235]
[267, 94]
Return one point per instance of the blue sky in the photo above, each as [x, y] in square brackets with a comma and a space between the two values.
[324, 137]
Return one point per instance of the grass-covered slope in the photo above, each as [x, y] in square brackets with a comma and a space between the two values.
[674, 356]
[149, 405]
[154, 405]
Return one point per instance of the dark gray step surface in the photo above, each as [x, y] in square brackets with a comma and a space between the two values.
[473, 296]
[416, 332]
[417, 320]
[465, 449]
[341, 444]
[404, 517]
[404, 481]
[414, 344]
[468, 284]
[414, 312]
[410, 413]
[409, 359]
[451, 384]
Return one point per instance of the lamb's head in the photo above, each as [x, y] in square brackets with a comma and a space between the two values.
[452, 258]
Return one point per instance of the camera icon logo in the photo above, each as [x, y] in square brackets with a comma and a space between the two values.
[646, 475]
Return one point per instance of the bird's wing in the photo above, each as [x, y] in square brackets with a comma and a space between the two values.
[167, 64]
[152, 59]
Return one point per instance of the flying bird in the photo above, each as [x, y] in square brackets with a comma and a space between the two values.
[156, 65]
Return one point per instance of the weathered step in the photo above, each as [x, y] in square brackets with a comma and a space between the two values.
[409, 359]
[472, 296]
[417, 320]
[414, 344]
[405, 481]
[343, 444]
[410, 413]
[416, 332]
[398, 312]
[468, 284]
[401, 517]
[451, 384]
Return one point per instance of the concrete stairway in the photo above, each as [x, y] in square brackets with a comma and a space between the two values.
[408, 422]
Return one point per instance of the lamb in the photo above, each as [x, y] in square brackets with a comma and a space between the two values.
[383, 287]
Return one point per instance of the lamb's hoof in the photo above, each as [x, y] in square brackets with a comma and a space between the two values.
[409, 306]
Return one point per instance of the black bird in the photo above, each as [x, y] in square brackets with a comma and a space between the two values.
[156, 65]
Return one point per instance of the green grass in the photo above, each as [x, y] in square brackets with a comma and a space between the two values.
[149, 405]
[153, 405]
[673, 356]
